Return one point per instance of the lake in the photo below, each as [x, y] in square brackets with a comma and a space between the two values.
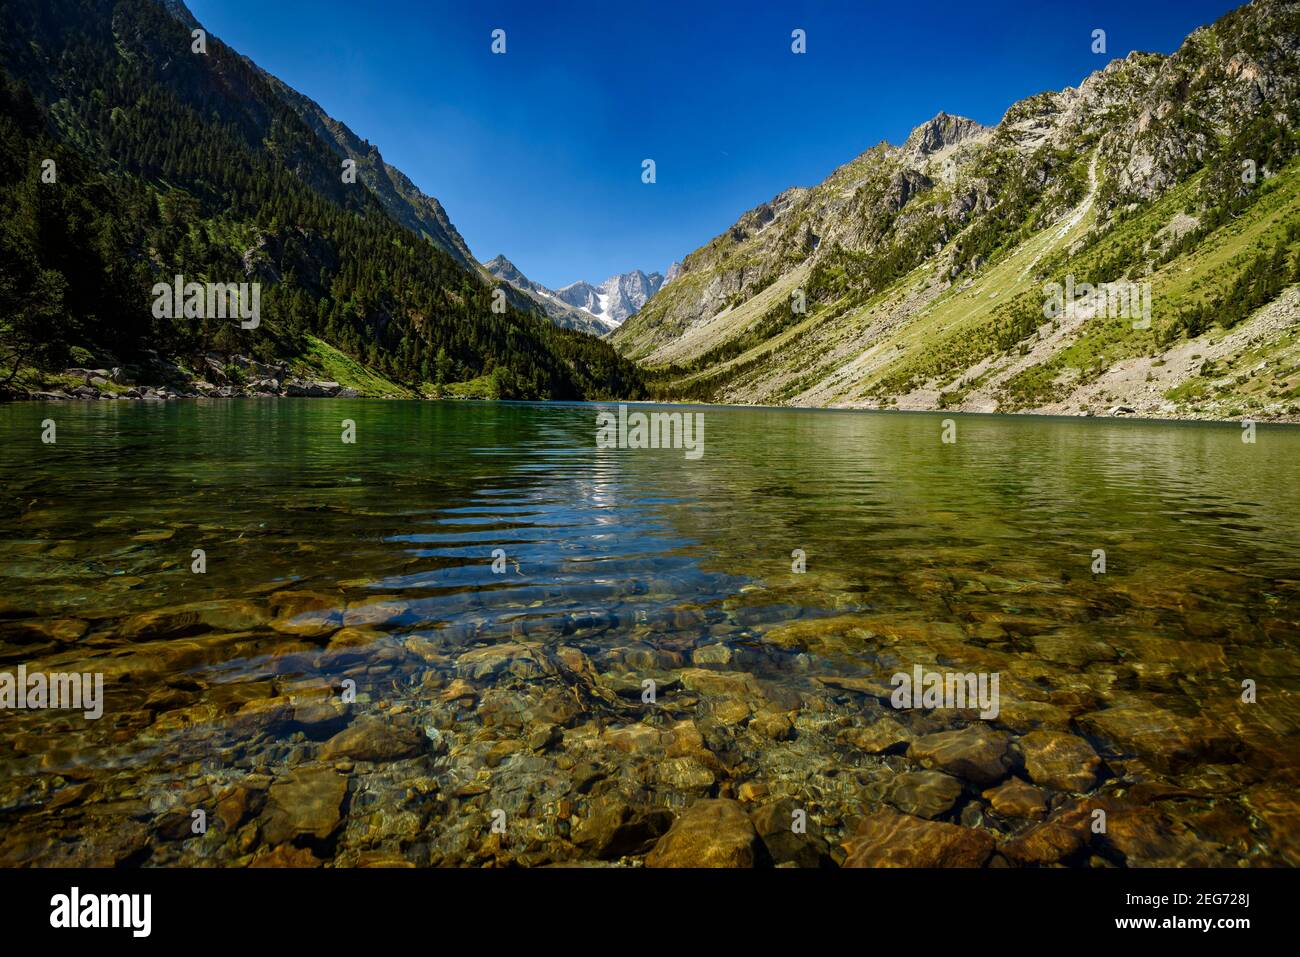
[471, 636]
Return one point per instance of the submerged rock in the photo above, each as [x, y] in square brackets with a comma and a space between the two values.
[976, 753]
[1278, 807]
[1165, 740]
[43, 629]
[736, 684]
[1060, 761]
[1062, 836]
[1015, 798]
[710, 833]
[715, 654]
[521, 661]
[238, 805]
[1072, 646]
[307, 803]
[306, 614]
[774, 725]
[685, 774]
[231, 616]
[1147, 837]
[926, 794]
[886, 838]
[374, 739]
[545, 735]
[286, 855]
[876, 738]
[776, 827]
[634, 738]
[612, 828]
[849, 634]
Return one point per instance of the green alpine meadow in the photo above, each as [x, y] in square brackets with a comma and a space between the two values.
[942, 512]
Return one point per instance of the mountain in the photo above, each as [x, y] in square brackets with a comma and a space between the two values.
[617, 298]
[928, 275]
[403, 201]
[578, 303]
[556, 309]
[172, 161]
[400, 197]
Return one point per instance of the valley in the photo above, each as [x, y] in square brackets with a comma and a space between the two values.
[928, 269]
[914, 277]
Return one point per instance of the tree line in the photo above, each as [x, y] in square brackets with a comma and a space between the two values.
[169, 162]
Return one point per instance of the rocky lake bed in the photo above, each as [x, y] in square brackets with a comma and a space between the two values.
[350, 683]
[549, 738]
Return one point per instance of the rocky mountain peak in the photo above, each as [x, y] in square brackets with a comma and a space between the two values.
[503, 268]
[941, 131]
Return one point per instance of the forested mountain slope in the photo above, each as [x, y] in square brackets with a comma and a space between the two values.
[170, 161]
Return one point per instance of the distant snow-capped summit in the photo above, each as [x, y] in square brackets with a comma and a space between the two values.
[616, 298]
[609, 303]
[556, 309]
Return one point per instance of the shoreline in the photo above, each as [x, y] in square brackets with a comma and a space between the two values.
[319, 389]
[241, 377]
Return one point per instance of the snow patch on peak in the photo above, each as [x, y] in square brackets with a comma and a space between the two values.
[615, 299]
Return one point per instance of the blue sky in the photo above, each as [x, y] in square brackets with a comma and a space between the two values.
[537, 154]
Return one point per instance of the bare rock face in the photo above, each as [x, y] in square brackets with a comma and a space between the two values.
[941, 131]
[711, 833]
[602, 306]
[889, 839]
